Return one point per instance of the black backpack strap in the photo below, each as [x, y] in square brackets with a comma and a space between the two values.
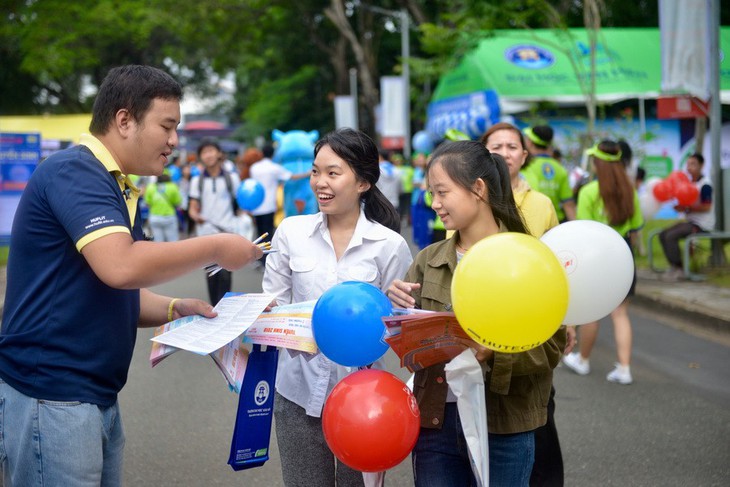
[231, 190]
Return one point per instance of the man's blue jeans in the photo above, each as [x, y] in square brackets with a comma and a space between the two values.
[54, 443]
[441, 457]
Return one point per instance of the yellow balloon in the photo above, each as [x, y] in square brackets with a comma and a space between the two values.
[509, 292]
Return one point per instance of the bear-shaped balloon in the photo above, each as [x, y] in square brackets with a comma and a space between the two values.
[295, 151]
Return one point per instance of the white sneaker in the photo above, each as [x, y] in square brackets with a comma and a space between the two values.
[673, 275]
[577, 364]
[620, 375]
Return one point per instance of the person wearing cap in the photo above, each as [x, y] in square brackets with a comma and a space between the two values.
[546, 175]
[612, 200]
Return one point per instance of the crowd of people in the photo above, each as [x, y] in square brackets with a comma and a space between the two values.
[80, 268]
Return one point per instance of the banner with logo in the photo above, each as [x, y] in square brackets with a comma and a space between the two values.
[251, 435]
[554, 65]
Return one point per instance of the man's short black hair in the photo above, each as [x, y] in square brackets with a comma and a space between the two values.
[131, 87]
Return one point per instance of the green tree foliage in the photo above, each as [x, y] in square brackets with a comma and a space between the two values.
[289, 58]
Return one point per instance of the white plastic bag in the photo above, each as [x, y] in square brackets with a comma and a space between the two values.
[464, 375]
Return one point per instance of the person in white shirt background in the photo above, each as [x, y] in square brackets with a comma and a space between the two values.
[270, 175]
[353, 237]
[390, 182]
[212, 206]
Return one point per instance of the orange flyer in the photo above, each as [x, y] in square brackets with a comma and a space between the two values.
[424, 339]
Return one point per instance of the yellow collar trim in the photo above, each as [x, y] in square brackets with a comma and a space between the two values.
[105, 157]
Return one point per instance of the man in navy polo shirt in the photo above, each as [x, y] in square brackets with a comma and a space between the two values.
[78, 270]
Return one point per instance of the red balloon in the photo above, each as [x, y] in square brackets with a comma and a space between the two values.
[663, 191]
[371, 420]
[678, 178]
[686, 194]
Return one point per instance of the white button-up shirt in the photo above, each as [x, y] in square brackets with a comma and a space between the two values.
[304, 267]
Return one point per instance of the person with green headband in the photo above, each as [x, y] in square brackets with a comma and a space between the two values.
[610, 199]
[546, 175]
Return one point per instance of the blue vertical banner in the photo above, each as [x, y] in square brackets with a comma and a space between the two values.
[251, 435]
[19, 156]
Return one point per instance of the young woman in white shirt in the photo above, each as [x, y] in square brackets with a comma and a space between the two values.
[353, 237]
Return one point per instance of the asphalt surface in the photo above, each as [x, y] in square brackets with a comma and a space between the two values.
[669, 428]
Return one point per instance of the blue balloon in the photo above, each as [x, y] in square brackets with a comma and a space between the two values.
[422, 142]
[250, 194]
[174, 172]
[194, 171]
[347, 323]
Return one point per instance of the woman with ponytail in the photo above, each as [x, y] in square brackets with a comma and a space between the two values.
[610, 199]
[352, 238]
[472, 194]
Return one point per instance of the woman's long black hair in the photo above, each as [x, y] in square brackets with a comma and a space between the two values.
[361, 154]
[467, 161]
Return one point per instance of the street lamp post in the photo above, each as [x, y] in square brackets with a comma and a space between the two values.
[353, 94]
[405, 55]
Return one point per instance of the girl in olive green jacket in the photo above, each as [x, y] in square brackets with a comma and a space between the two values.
[472, 195]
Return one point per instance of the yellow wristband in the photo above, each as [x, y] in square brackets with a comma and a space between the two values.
[170, 308]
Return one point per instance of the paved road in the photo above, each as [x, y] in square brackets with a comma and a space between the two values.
[670, 428]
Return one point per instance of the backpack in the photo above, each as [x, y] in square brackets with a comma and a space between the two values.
[229, 186]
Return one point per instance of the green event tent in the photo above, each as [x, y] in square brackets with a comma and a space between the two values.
[524, 66]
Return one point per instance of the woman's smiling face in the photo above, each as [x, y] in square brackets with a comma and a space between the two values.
[455, 205]
[335, 184]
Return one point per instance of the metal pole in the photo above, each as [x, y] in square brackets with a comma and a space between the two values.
[718, 255]
[405, 55]
[642, 116]
[715, 112]
[353, 94]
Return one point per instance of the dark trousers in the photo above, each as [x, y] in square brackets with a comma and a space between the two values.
[670, 240]
[547, 471]
[265, 224]
[404, 206]
[218, 285]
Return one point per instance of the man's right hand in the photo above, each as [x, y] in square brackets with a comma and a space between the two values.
[234, 251]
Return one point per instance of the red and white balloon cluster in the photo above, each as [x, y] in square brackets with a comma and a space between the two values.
[658, 191]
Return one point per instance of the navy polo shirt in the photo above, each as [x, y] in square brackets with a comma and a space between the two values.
[67, 336]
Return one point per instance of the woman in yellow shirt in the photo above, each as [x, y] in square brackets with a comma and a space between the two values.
[539, 215]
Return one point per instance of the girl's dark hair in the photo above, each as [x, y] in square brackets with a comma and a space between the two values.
[361, 154]
[134, 88]
[626, 153]
[467, 161]
[614, 185]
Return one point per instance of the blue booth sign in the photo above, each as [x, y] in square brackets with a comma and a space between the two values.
[19, 156]
[472, 114]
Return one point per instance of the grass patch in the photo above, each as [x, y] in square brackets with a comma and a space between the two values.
[4, 255]
[702, 254]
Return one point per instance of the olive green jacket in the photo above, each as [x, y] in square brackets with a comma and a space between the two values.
[517, 385]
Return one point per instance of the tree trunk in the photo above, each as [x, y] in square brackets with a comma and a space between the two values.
[336, 13]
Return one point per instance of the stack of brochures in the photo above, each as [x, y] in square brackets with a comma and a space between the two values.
[423, 338]
[240, 320]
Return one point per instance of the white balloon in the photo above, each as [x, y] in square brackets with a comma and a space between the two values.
[599, 266]
[647, 201]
